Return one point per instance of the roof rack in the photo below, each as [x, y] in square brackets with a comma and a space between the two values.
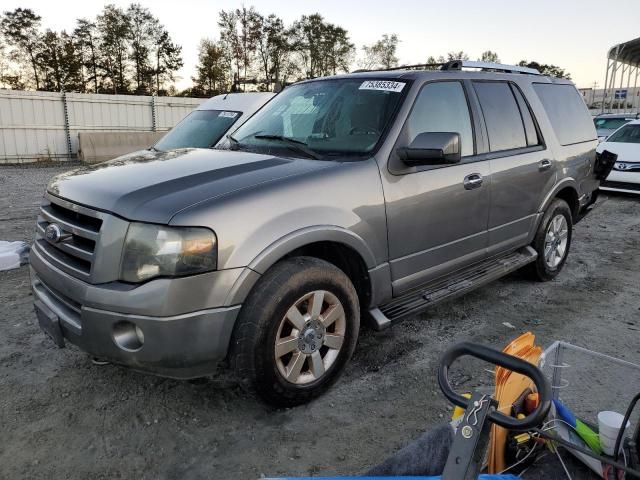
[489, 66]
[460, 64]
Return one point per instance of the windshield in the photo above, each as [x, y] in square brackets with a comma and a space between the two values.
[339, 117]
[610, 123]
[199, 129]
[627, 134]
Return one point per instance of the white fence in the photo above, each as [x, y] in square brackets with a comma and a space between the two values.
[40, 126]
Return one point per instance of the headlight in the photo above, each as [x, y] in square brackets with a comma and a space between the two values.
[159, 251]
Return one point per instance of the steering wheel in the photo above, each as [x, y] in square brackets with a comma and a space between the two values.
[364, 131]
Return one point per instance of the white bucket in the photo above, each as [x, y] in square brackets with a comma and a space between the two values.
[609, 424]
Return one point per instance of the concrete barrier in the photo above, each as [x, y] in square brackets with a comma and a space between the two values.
[95, 147]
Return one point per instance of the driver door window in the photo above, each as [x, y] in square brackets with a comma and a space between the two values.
[442, 107]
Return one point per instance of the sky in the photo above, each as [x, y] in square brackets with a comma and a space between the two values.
[574, 34]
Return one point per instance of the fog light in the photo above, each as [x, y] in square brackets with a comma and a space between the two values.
[128, 336]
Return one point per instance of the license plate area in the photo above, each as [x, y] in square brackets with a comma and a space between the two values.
[49, 323]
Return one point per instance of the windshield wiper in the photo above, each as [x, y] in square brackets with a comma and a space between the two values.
[294, 144]
[234, 143]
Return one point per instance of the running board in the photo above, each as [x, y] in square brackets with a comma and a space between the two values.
[461, 283]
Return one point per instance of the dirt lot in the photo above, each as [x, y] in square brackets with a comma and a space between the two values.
[63, 417]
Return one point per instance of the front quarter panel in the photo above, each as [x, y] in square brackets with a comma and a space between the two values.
[256, 227]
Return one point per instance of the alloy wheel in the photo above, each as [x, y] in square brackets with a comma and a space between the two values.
[555, 242]
[310, 337]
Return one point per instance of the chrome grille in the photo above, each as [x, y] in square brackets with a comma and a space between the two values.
[74, 254]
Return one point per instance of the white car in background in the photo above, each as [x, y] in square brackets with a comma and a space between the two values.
[625, 142]
[207, 125]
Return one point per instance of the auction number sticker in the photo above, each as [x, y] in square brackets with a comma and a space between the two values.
[228, 114]
[383, 85]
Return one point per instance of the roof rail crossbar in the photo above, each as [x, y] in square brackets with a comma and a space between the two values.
[459, 65]
[419, 66]
[489, 66]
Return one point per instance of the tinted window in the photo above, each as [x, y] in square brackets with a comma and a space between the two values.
[501, 115]
[627, 134]
[567, 113]
[610, 123]
[442, 107]
[199, 129]
[527, 118]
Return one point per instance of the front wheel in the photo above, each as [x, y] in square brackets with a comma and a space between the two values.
[296, 331]
[552, 241]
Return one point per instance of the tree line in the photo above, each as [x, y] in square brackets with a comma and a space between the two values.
[120, 51]
[129, 51]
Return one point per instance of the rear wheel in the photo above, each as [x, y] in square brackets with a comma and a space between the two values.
[296, 331]
[552, 241]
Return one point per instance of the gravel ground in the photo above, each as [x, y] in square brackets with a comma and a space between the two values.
[63, 417]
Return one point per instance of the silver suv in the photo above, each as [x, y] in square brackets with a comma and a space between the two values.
[371, 195]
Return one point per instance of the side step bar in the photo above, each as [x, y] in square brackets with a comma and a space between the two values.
[460, 283]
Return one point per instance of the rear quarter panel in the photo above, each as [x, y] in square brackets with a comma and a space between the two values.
[573, 164]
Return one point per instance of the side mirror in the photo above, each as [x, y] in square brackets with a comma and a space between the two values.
[432, 148]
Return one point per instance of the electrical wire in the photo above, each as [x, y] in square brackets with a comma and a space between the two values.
[586, 451]
[527, 469]
[544, 426]
[563, 465]
[519, 461]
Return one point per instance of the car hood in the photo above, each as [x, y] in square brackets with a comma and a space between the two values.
[627, 152]
[153, 186]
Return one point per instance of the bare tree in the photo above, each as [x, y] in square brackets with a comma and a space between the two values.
[60, 62]
[86, 36]
[168, 58]
[240, 34]
[323, 48]
[547, 69]
[142, 28]
[273, 49]
[21, 29]
[114, 30]
[461, 55]
[211, 71]
[489, 56]
[381, 54]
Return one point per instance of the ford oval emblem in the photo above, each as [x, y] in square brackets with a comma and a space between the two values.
[53, 233]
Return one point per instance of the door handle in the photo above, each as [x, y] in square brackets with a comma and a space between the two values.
[544, 165]
[472, 181]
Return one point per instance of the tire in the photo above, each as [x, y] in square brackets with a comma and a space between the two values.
[552, 248]
[315, 353]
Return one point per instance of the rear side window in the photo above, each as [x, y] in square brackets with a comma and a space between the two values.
[501, 115]
[527, 118]
[567, 113]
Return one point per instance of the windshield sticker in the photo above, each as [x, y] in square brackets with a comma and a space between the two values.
[383, 85]
[228, 114]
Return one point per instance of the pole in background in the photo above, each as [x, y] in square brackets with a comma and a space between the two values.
[154, 114]
[67, 129]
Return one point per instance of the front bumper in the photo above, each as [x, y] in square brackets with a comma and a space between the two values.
[174, 343]
[619, 181]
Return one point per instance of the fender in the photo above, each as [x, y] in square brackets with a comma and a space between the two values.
[561, 185]
[289, 243]
[307, 235]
